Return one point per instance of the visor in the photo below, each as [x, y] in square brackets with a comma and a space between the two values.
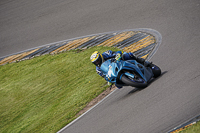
[98, 61]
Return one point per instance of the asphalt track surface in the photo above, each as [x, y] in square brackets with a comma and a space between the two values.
[167, 102]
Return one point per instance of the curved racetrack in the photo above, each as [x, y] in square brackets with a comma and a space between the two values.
[167, 102]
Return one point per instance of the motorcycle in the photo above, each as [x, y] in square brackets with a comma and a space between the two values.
[129, 73]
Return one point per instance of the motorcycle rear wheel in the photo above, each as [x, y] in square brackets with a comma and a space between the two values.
[156, 70]
[138, 83]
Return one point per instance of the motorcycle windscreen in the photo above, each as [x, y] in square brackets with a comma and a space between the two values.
[109, 69]
[105, 66]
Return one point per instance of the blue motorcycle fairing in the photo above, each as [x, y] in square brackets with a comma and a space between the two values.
[111, 69]
[145, 73]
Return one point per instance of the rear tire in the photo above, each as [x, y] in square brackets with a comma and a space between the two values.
[156, 71]
[131, 82]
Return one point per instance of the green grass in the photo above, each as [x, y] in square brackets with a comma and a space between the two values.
[192, 129]
[45, 93]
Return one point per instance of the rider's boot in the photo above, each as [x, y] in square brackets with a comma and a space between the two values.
[129, 56]
[148, 64]
[144, 62]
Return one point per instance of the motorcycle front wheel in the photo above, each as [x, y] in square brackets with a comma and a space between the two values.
[137, 81]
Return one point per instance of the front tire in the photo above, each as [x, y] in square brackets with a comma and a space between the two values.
[139, 83]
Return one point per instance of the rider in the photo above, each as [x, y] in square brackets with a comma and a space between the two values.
[98, 58]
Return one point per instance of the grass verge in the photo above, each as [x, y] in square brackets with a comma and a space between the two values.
[192, 129]
[45, 93]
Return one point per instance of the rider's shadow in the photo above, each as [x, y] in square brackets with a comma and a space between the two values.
[150, 82]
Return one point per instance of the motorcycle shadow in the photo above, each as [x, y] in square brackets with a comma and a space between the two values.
[149, 83]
